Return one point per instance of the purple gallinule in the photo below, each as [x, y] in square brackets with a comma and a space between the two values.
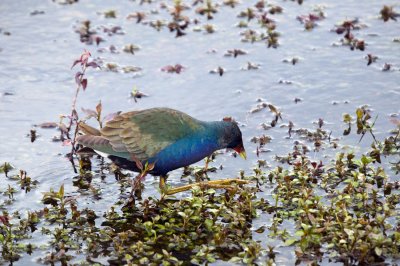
[167, 138]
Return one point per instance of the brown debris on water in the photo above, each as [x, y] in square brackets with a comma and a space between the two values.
[47, 125]
[131, 69]
[65, 2]
[114, 67]
[136, 94]
[158, 24]
[139, 16]
[177, 68]
[37, 12]
[235, 52]
[209, 9]
[300, 2]
[248, 14]
[251, 66]
[252, 36]
[273, 9]
[87, 35]
[231, 3]
[110, 13]
[219, 70]
[259, 107]
[386, 67]
[131, 48]
[261, 140]
[293, 60]
[388, 13]
[310, 20]
[346, 28]
[113, 30]
[209, 28]
[371, 59]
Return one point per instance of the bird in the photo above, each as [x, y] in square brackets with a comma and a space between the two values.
[164, 138]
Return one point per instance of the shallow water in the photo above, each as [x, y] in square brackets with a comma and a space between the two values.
[37, 83]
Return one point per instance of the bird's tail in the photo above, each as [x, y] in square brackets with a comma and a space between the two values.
[88, 130]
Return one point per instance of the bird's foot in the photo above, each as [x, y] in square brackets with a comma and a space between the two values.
[218, 184]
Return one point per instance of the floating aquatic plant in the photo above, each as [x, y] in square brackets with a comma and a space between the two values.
[6, 168]
[387, 13]
[209, 9]
[347, 27]
[310, 21]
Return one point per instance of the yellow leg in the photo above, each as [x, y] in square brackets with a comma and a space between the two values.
[162, 183]
[219, 184]
[208, 159]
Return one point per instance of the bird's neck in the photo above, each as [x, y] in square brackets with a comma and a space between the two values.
[216, 129]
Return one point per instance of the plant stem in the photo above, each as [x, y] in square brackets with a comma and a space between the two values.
[74, 116]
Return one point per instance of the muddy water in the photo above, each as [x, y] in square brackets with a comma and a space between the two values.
[37, 83]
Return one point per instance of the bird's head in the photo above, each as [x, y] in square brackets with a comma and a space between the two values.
[233, 138]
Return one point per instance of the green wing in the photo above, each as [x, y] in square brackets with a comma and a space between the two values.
[145, 133]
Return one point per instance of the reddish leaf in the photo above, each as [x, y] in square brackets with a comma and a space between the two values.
[75, 63]
[4, 220]
[98, 39]
[314, 17]
[84, 84]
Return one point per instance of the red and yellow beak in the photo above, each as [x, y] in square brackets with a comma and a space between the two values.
[240, 150]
